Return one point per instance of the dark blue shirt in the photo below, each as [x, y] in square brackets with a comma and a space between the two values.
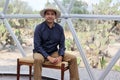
[48, 40]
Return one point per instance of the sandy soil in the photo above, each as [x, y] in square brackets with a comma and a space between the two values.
[8, 57]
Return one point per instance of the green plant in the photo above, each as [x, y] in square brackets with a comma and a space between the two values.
[78, 60]
[2, 29]
[117, 68]
[68, 44]
[102, 62]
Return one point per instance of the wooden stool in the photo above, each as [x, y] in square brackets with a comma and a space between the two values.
[63, 66]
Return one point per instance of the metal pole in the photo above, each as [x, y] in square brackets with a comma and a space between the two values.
[20, 16]
[68, 10]
[14, 37]
[73, 16]
[70, 6]
[82, 53]
[111, 64]
[6, 6]
[76, 41]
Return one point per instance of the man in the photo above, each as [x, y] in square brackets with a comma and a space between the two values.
[49, 44]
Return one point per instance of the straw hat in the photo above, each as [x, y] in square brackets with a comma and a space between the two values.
[50, 7]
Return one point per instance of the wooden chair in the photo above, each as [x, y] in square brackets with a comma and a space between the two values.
[63, 66]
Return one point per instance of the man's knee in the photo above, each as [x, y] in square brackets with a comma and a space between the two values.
[71, 56]
[38, 57]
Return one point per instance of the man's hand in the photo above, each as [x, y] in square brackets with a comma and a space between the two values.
[51, 59]
[59, 59]
[55, 60]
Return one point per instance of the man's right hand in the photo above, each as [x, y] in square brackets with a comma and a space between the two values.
[52, 60]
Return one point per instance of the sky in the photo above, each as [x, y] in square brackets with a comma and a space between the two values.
[39, 4]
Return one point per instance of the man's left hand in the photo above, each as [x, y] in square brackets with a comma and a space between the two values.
[59, 59]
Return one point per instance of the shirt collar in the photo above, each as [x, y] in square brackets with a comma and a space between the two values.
[48, 26]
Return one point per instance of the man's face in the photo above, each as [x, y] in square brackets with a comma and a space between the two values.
[50, 16]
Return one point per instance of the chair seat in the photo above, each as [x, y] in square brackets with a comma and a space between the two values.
[29, 59]
[63, 66]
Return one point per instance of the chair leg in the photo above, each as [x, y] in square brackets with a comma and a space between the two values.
[62, 71]
[30, 72]
[18, 70]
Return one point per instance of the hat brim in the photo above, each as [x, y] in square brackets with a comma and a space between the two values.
[42, 12]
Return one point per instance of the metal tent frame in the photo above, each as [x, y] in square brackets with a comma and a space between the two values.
[66, 17]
